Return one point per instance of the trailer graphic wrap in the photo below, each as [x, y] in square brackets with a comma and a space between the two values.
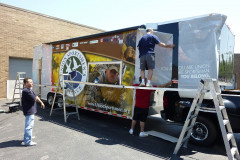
[120, 46]
[104, 99]
[68, 56]
[74, 60]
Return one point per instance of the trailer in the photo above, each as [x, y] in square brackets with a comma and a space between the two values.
[113, 58]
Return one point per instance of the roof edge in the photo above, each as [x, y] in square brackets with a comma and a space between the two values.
[97, 34]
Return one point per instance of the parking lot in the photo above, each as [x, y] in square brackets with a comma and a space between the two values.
[95, 136]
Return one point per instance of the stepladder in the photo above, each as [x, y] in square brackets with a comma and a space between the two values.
[65, 92]
[209, 86]
[18, 87]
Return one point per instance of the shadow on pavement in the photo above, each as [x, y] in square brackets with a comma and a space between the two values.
[12, 143]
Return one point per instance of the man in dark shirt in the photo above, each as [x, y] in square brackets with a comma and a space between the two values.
[29, 109]
[146, 47]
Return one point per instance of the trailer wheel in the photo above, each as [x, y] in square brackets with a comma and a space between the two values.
[50, 98]
[204, 132]
[59, 101]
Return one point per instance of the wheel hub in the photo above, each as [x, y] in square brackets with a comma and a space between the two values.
[199, 132]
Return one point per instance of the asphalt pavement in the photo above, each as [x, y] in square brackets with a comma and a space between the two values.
[94, 137]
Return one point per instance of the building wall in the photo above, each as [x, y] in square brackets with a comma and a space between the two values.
[236, 69]
[21, 30]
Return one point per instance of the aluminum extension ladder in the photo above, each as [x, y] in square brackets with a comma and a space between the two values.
[226, 129]
[62, 89]
[18, 86]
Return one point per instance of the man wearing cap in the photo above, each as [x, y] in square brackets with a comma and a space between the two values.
[146, 47]
[110, 76]
[104, 75]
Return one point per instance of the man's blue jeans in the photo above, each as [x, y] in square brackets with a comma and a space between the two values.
[29, 122]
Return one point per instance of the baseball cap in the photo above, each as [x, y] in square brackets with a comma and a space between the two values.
[113, 67]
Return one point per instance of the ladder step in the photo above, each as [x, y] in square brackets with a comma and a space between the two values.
[190, 127]
[205, 90]
[229, 136]
[221, 107]
[70, 113]
[225, 122]
[233, 151]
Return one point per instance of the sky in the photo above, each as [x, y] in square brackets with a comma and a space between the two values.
[116, 14]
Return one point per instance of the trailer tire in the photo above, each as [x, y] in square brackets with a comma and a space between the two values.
[204, 132]
[59, 100]
[50, 98]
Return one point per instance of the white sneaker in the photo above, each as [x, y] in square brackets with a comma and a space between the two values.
[143, 134]
[142, 84]
[131, 131]
[149, 85]
[31, 144]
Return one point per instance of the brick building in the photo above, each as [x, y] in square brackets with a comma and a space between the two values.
[21, 30]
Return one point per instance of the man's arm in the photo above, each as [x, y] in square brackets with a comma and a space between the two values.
[39, 100]
[166, 45]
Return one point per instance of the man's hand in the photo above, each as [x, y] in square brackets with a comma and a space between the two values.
[42, 105]
[170, 45]
[166, 45]
[39, 100]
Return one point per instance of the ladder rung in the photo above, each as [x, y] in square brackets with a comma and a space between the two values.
[221, 107]
[225, 122]
[71, 113]
[229, 136]
[205, 90]
[190, 127]
[233, 151]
